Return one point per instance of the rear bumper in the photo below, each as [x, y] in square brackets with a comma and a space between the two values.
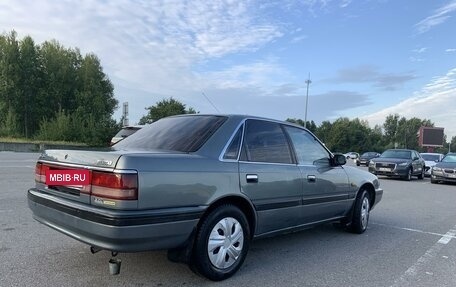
[122, 231]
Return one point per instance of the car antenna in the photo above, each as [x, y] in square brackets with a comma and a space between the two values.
[210, 102]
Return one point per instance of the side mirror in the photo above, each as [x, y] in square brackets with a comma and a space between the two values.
[416, 158]
[339, 159]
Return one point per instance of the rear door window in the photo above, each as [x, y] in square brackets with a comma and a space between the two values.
[265, 142]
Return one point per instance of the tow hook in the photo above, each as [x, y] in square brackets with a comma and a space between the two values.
[114, 264]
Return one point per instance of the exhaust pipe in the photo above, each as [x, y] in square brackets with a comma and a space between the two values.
[94, 249]
[113, 264]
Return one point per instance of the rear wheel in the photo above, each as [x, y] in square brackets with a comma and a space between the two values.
[361, 211]
[221, 243]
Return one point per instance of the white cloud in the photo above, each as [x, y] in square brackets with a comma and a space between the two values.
[151, 46]
[345, 3]
[450, 50]
[245, 76]
[438, 17]
[298, 39]
[435, 101]
[420, 50]
[137, 39]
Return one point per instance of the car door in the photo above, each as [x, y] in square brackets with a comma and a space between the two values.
[269, 176]
[326, 190]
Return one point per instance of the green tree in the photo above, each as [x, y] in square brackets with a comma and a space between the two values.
[60, 80]
[45, 89]
[453, 144]
[165, 108]
[390, 127]
[95, 94]
[323, 132]
[29, 86]
[9, 75]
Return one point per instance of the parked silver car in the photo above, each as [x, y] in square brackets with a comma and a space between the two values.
[445, 170]
[125, 132]
[430, 160]
[202, 187]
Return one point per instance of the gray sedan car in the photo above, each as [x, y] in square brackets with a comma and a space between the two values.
[202, 187]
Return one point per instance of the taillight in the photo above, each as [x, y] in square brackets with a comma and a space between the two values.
[40, 172]
[115, 185]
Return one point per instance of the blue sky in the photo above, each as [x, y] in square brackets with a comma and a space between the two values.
[366, 58]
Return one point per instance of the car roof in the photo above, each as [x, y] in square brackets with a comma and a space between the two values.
[240, 118]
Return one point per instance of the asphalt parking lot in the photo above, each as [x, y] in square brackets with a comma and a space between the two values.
[411, 241]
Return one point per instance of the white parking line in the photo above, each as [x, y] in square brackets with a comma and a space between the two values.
[432, 252]
[451, 235]
[447, 237]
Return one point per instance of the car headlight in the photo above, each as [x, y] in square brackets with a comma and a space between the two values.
[403, 164]
[371, 164]
[436, 168]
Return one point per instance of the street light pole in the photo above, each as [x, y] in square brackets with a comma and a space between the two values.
[308, 81]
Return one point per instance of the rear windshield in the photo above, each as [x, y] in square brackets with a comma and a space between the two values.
[430, 157]
[184, 134]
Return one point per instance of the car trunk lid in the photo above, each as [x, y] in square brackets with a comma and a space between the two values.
[105, 186]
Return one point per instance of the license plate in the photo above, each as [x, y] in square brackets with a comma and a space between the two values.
[384, 169]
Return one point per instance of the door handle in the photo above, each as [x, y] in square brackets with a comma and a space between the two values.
[252, 178]
[311, 178]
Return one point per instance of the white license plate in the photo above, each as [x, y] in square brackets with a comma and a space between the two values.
[384, 169]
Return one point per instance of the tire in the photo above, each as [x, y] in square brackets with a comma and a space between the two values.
[434, 181]
[361, 211]
[357, 164]
[408, 177]
[216, 254]
[421, 175]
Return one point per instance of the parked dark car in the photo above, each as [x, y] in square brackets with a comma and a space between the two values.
[365, 158]
[445, 170]
[403, 163]
[202, 187]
